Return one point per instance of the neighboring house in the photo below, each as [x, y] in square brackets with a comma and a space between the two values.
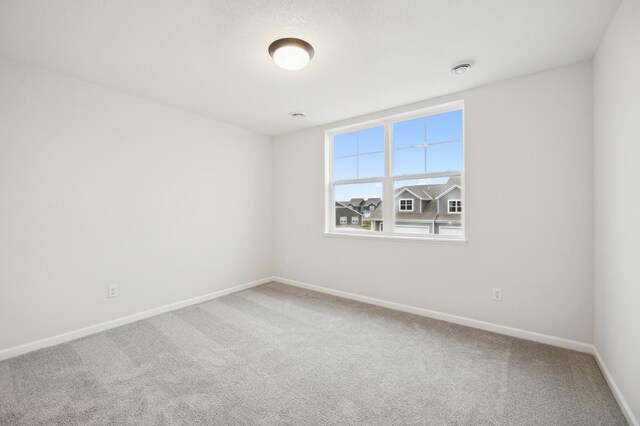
[370, 205]
[426, 209]
[347, 216]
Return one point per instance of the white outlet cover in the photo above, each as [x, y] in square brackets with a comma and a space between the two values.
[112, 291]
[497, 294]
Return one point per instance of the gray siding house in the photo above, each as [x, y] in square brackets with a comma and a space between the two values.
[425, 209]
[347, 217]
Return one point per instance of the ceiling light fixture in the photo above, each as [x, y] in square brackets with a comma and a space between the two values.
[460, 69]
[299, 115]
[291, 53]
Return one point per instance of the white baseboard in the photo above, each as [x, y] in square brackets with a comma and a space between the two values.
[626, 410]
[76, 334]
[469, 322]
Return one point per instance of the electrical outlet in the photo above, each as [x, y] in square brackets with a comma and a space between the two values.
[497, 294]
[112, 291]
[286, 260]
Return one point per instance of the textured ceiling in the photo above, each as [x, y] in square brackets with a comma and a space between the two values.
[210, 57]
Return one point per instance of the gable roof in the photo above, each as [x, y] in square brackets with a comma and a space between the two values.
[414, 190]
[448, 191]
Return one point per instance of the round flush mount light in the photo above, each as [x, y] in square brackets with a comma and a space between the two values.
[299, 115]
[461, 68]
[291, 53]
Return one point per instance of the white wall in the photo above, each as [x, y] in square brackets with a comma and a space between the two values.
[529, 169]
[98, 188]
[617, 202]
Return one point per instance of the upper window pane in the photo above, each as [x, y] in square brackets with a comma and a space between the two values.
[408, 161]
[409, 133]
[371, 165]
[444, 127]
[359, 154]
[371, 140]
[409, 147]
[345, 168]
[444, 157]
[345, 144]
[429, 144]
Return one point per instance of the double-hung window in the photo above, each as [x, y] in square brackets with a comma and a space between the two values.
[455, 206]
[405, 204]
[409, 168]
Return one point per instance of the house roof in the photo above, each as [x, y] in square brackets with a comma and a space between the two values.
[415, 190]
[372, 201]
[448, 191]
[356, 201]
[430, 192]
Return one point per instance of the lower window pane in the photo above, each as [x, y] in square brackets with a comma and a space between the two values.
[359, 207]
[422, 206]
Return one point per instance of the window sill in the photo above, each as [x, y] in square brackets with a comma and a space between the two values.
[454, 241]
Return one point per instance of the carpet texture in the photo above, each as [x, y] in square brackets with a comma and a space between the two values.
[276, 354]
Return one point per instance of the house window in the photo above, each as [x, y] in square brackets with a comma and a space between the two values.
[343, 220]
[417, 154]
[406, 205]
[455, 206]
[354, 220]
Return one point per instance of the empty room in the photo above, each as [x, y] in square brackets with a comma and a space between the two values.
[297, 212]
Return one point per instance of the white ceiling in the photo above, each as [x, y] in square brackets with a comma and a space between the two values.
[210, 56]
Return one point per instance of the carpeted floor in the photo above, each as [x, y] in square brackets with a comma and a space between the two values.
[276, 354]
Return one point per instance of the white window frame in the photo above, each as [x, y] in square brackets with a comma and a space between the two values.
[388, 180]
[355, 220]
[346, 221]
[400, 209]
[449, 205]
[372, 207]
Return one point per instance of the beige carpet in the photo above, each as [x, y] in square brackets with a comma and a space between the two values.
[281, 355]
